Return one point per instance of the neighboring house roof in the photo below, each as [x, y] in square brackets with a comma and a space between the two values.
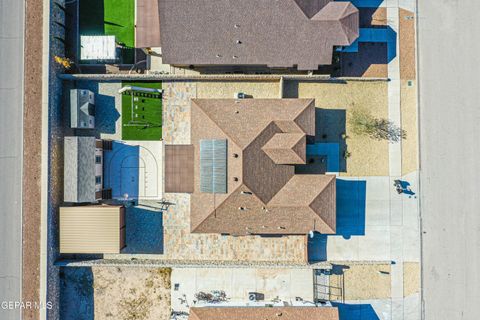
[264, 313]
[260, 169]
[179, 168]
[285, 33]
[79, 169]
[92, 229]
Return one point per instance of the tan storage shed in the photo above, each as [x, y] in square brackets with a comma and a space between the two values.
[93, 229]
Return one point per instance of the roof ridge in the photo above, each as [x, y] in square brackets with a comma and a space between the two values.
[193, 229]
[332, 178]
[219, 127]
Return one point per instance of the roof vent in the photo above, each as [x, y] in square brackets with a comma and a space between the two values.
[235, 155]
[239, 42]
[236, 26]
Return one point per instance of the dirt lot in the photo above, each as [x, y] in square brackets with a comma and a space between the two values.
[411, 278]
[368, 157]
[406, 40]
[32, 155]
[408, 91]
[362, 282]
[408, 101]
[115, 293]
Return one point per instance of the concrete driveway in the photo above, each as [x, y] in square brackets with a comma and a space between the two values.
[11, 128]
[376, 224]
[286, 284]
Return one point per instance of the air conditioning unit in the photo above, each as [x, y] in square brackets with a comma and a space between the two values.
[239, 95]
[255, 296]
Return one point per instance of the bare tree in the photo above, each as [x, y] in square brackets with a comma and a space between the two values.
[363, 123]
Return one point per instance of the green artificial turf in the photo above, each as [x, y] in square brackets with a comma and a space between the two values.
[113, 18]
[119, 21]
[147, 111]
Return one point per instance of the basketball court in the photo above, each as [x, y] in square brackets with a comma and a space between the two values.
[133, 170]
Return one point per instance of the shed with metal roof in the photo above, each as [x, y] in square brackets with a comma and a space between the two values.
[93, 229]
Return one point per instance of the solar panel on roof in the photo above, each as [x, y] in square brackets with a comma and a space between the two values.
[213, 166]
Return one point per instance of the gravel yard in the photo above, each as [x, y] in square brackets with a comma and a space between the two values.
[227, 89]
[406, 38]
[408, 102]
[362, 282]
[411, 278]
[115, 293]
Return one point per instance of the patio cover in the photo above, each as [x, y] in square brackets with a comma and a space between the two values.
[179, 168]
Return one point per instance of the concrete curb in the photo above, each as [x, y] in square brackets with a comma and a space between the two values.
[45, 158]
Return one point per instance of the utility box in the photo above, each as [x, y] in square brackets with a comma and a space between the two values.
[82, 109]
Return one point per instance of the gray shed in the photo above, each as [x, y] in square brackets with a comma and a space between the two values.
[82, 109]
[81, 169]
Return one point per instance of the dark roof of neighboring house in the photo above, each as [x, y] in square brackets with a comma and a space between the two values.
[264, 313]
[274, 33]
[264, 195]
[79, 169]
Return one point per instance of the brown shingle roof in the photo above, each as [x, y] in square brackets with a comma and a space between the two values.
[274, 33]
[252, 204]
[264, 313]
[286, 148]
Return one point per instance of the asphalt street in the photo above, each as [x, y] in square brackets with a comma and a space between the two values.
[11, 121]
[449, 70]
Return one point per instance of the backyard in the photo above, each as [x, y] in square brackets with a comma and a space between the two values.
[111, 17]
[142, 112]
